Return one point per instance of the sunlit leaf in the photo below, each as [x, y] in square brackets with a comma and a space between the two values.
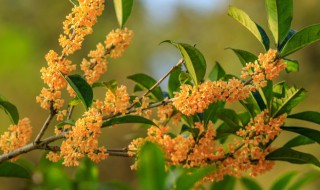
[305, 179]
[279, 18]
[10, 169]
[310, 133]
[301, 39]
[146, 82]
[151, 172]
[112, 85]
[82, 89]
[311, 116]
[127, 119]
[193, 60]
[228, 183]
[298, 141]
[74, 2]
[246, 21]
[292, 65]
[123, 10]
[283, 181]
[10, 109]
[292, 156]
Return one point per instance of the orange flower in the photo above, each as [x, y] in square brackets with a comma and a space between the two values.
[117, 41]
[16, 136]
[116, 102]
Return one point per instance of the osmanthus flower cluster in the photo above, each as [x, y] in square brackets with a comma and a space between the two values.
[16, 136]
[245, 153]
[195, 99]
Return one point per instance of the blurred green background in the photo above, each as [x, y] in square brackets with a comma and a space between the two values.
[30, 28]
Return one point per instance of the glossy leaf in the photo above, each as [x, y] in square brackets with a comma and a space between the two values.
[146, 82]
[311, 116]
[301, 39]
[229, 116]
[283, 181]
[292, 65]
[268, 93]
[289, 35]
[123, 10]
[217, 72]
[74, 2]
[310, 133]
[251, 105]
[258, 97]
[151, 172]
[250, 184]
[292, 98]
[246, 21]
[292, 156]
[228, 183]
[173, 82]
[127, 119]
[10, 109]
[244, 56]
[82, 89]
[244, 118]
[10, 169]
[184, 78]
[193, 60]
[188, 180]
[298, 141]
[279, 18]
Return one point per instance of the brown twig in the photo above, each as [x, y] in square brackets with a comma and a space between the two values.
[46, 124]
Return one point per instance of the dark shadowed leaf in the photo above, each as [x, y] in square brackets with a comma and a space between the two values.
[311, 116]
[246, 21]
[310, 133]
[217, 72]
[228, 183]
[210, 112]
[123, 10]
[244, 56]
[292, 156]
[82, 89]
[301, 39]
[173, 82]
[187, 180]
[10, 169]
[127, 119]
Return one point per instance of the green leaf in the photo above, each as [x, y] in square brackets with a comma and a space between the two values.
[292, 65]
[298, 141]
[146, 82]
[311, 116]
[268, 93]
[250, 184]
[123, 10]
[10, 109]
[210, 112]
[10, 169]
[304, 180]
[217, 72]
[279, 18]
[67, 122]
[184, 77]
[116, 185]
[246, 21]
[87, 175]
[292, 98]
[74, 2]
[301, 39]
[193, 60]
[257, 96]
[151, 171]
[244, 118]
[228, 183]
[229, 116]
[188, 180]
[283, 181]
[292, 156]
[82, 89]
[112, 85]
[127, 119]
[173, 82]
[244, 56]
[75, 101]
[251, 105]
[283, 43]
[310, 133]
